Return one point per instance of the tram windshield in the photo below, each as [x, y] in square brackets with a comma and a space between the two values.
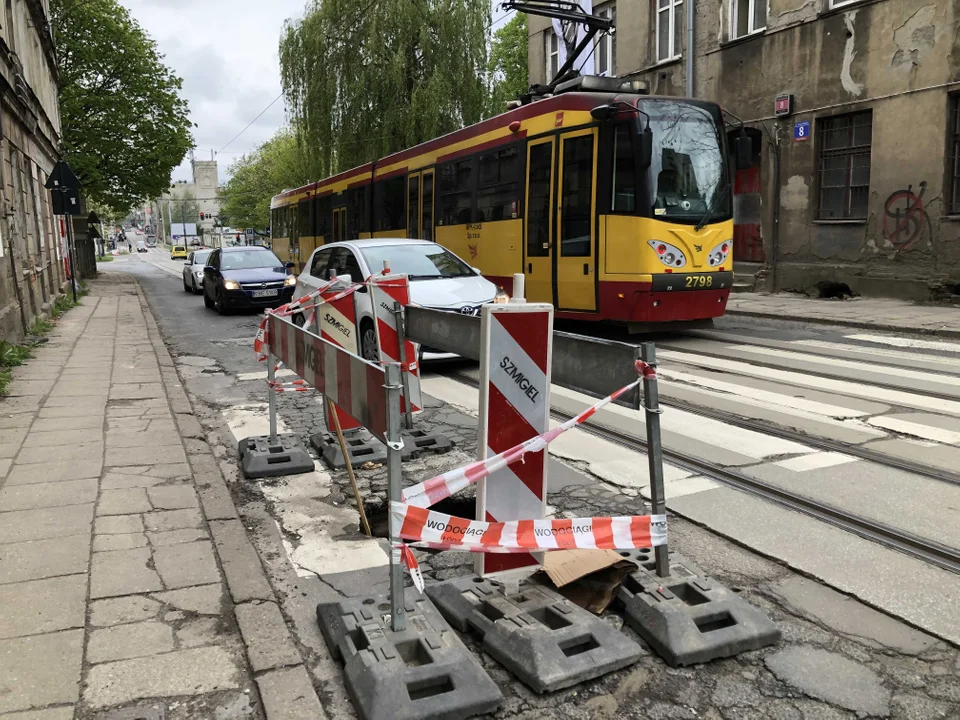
[688, 175]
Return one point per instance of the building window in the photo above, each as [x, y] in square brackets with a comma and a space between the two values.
[606, 48]
[844, 165]
[669, 26]
[551, 50]
[747, 17]
[953, 177]
[834, 4]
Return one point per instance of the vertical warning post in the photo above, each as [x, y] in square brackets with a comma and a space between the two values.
[515, 355]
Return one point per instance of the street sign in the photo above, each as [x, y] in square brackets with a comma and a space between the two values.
[66, 201]
[62, 177]
[801, 131]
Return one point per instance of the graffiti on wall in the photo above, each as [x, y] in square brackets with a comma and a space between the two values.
[904, 217]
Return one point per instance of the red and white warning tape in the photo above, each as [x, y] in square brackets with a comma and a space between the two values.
[432, 491]
[428, 529]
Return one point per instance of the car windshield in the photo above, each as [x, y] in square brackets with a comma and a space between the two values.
[419, 262]
[200, 258]
[687, 171]
[249, 259]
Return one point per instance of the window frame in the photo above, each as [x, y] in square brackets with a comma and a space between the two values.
[837, 4]
[848, 151]
[469, 188]
[952, 171]
[390, 204]
[605, 47]
[491, 189]
[322, 252]
[672, 10]
[734, 16]
[551, 50]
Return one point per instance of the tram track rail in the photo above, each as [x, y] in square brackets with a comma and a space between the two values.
[916, 546]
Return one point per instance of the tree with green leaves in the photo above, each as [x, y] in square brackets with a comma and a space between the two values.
[507, 74]
[124, 125]
[184, 207]
[364, 78]
[256, 177]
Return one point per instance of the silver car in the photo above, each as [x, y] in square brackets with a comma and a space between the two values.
[193, 271]
[438, 279]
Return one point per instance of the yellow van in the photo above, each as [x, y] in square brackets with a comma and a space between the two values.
[179, 252]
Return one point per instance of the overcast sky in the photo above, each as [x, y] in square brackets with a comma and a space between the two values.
[226, 53]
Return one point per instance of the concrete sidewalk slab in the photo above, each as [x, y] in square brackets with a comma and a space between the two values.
[105, 533]
[871, 313]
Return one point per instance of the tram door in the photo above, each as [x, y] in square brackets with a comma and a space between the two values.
[574, 244]
[420, 205]
[538, 267]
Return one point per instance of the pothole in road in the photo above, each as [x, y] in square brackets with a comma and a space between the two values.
[378, 514]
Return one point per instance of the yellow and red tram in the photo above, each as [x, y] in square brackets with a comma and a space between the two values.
[615, 206]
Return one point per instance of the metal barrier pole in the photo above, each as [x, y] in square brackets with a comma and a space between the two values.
[651, 407]
[404, 374]
[394, 445]
[518, 289]
[272, 395]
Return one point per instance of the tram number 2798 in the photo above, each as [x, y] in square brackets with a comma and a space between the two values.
[699, 281]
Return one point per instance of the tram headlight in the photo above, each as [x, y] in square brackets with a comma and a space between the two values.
[669, 255]
[720, 253]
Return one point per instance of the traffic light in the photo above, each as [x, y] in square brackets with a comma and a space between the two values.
[201, 216]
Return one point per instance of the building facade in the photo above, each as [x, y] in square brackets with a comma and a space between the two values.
[201, 195]
[854, 111]
[31, 267]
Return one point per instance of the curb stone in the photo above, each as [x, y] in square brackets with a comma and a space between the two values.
[861, 324]
[287, 692]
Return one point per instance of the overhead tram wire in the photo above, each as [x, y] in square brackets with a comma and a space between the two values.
[272, 103]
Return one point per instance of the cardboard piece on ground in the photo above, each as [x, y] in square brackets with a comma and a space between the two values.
[589, 578]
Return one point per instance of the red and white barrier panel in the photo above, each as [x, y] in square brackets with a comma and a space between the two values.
[337, 322]
[387, 290]
[432, 491]
[428, 529]
[515, 351]
[353, 384]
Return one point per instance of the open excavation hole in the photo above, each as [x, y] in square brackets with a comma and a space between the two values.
[378, 513]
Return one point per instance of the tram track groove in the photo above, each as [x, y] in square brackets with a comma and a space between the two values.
[926, 550]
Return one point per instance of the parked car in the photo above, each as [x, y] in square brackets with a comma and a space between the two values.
[179, 252]
[246, 277]
[193, 271]
[141, 246]
[438, 279]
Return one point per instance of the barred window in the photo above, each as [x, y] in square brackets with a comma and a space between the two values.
[953, 152]
[844, 166]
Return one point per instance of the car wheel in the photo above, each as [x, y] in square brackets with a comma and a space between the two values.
[218, 303]
[368, 342]
[206, 300]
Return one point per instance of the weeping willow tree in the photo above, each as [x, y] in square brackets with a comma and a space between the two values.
[366, 78]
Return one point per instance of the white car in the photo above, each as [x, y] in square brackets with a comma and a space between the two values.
[193, 271]
[438, 279]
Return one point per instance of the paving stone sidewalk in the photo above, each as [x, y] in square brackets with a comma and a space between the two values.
[871, 313]
[126, 578]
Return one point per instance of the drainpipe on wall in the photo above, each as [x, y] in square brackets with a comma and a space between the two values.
[690, 46]
[775, 239]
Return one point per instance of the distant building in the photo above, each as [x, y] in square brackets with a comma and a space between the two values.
[204, 191]
[854, 110]
[31, 267]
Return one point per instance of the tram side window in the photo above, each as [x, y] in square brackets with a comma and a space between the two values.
[499, 194]
[321, 211]
[356, 212]
[455, 191]
[304, 221]
[388, 204]
[624, 188]
[274, 228]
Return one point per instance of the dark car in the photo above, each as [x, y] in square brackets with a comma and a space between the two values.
[246, 277]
